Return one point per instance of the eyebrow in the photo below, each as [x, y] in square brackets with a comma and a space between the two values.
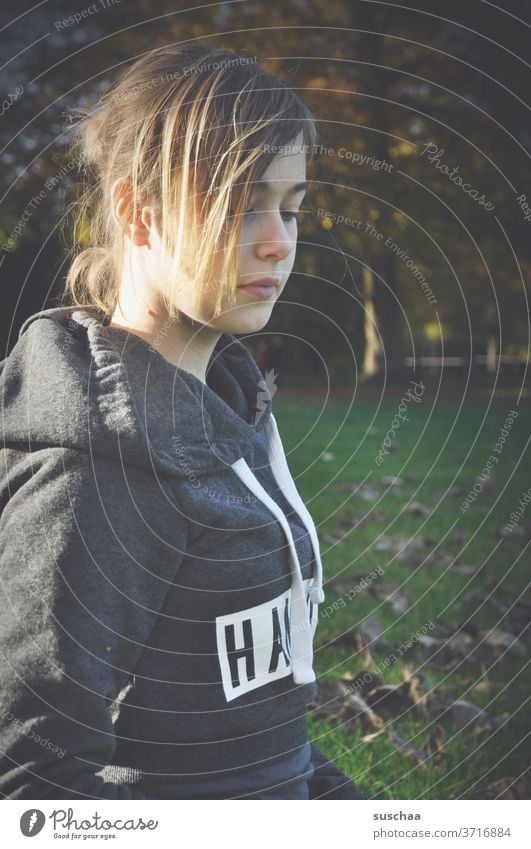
[264, 186]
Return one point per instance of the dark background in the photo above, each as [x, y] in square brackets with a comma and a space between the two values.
[384, 80]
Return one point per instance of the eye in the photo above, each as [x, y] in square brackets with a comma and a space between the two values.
[287, 215]
[291, 216]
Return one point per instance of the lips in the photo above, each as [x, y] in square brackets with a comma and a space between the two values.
[263, 288]
[263, 281]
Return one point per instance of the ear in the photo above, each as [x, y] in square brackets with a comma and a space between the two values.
[139, 230]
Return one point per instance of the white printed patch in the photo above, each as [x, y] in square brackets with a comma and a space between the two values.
[254, 644]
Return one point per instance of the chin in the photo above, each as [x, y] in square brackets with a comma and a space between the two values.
[251, 319]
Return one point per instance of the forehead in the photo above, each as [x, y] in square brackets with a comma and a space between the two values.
[285, 171]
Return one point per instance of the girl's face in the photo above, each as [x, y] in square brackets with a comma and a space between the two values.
[267, 246]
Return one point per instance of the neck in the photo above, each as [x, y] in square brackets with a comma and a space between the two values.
[184, 342]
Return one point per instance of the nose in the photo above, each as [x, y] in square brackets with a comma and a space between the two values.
[272, 238]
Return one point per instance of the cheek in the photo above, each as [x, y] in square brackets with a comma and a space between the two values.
[246, 245]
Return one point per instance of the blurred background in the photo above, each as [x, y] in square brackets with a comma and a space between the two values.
[408, 98]
[398, 353]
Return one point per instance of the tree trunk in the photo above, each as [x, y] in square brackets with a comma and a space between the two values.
[372, 352]
[384, 350]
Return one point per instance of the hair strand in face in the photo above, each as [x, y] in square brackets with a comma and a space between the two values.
[191, 129]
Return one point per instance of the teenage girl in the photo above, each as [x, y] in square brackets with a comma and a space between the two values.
[161, 575]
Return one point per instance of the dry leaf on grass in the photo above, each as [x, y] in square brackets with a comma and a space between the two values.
[352, 638]
[447, 648]
[328, 700]
[413, 687]
[418, 509]
[435, 744]
[348, 486]
[355, 707]
[504, 640]
[518, 532]
[434, 749]
[399, 599]
[384, 543]
[392, 480]
[367, 738]
[337, 701]
[389, 700]
[363, 681]
[510, 788]
[465, 715]
[464, 568]
[517, 613]
[393, 700]
[408, 748]
[372, 633]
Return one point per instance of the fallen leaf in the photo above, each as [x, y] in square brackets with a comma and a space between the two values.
[518, 532]
[347, 518]
[367, 494]
[364, 681]
[338, 701]
[372, 633]
[438, 703]
[473, 719]
[487, 483]
[399, 599]
[368, 737]
[517, 613]
[414, 690]
[346, 585]
[418, 509]
[460, 536]
[328, 700]
[485, 684]
[449, 493]
[352, 638]
[465, 644]
[388, 700]
[383, 543]
[416, 550]
[510, 788]
[407, 748]
[377, 515]
[358, 583]
[351, 486]
[499, 639]
[435, 744]
[333, 538]
[464, 568]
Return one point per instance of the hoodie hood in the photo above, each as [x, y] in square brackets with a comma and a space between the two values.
[100, 397]
[73, 381]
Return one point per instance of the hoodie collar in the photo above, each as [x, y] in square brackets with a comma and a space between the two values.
[130, 394]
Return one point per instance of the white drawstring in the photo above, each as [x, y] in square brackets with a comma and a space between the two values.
[301, 639]
[281, 471]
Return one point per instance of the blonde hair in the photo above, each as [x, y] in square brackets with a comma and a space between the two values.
[190, 128]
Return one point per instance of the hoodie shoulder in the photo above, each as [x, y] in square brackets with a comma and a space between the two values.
[63, 385]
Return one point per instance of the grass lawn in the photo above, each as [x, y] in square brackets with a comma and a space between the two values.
[473, 575]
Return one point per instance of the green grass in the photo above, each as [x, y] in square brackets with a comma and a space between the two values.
[431, 456]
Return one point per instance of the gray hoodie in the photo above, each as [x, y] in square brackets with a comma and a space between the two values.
[160, 574]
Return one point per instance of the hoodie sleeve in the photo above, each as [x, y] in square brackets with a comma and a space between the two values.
[88, 550]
